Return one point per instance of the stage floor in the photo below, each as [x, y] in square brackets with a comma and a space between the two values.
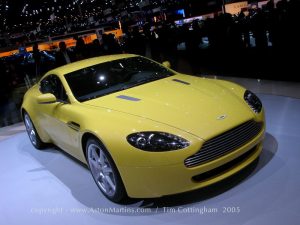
[50, 187]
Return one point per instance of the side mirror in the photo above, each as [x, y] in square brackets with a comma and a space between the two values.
[46, 99]
[167, 64]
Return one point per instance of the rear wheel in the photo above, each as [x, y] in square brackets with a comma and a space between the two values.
[104, 171]
[32, 133]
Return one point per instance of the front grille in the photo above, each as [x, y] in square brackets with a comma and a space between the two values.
[226, 167]
[225, 143]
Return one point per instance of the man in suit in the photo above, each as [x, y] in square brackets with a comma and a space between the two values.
[63, 56]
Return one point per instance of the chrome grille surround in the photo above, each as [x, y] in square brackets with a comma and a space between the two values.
[225, 143]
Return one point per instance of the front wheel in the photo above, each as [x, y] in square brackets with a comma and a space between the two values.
[32, 133]
[104, 171]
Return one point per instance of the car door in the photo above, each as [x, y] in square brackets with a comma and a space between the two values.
[57, 117]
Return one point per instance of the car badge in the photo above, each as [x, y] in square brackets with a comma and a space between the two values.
[222, 117]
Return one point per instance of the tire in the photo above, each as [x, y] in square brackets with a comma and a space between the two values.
[32, 133]
[104, 171]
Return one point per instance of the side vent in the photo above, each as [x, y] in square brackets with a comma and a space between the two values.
[73, 125]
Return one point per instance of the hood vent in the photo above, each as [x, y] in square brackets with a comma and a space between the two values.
[181, 81]
[129, 98]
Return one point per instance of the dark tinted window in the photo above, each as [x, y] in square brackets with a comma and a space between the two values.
[109, 77]
[52, 84]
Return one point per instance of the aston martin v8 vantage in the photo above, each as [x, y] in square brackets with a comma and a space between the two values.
[143, 129]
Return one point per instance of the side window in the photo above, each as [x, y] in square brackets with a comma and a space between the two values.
[52, 84]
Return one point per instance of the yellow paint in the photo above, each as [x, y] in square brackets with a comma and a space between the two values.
[189, 111]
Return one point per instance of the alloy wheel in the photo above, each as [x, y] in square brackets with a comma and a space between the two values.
[101, 169]
[30, 129]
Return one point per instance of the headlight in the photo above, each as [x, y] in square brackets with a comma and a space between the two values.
[253, 101]
[156, 141]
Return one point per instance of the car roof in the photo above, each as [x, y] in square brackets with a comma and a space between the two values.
[62, 70]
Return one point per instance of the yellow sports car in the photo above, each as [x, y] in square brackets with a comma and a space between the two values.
[143, 129]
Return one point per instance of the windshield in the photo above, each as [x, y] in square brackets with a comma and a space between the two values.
[105, 78]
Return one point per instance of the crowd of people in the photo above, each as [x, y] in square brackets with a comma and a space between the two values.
[267, 36]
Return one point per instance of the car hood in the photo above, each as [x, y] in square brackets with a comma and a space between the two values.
[198, 106]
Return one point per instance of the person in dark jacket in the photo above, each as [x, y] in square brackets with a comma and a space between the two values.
[81, 51]
[6, 90]
[37, 59]
[64, 56]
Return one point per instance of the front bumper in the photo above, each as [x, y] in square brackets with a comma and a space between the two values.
[149, 182]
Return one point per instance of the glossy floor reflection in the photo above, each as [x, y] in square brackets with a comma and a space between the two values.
[50, 187]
